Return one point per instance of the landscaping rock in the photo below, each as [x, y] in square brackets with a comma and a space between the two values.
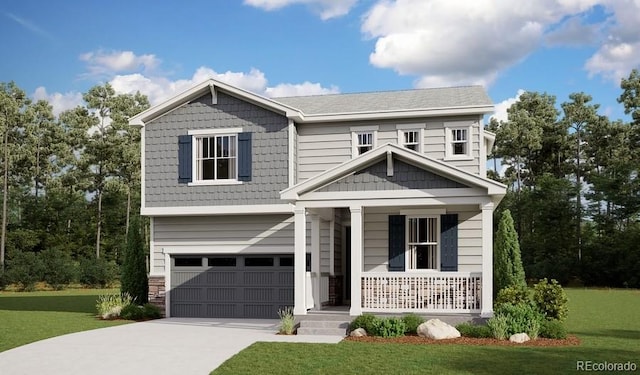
[358, 332]
[437, 329]
[519, 338]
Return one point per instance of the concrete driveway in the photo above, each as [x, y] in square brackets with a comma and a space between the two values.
[167, 346]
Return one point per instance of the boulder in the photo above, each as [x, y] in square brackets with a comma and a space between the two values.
[358, 332]
[437, 329]
[519, 338]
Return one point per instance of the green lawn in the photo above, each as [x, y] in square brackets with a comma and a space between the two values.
[607, 322]
[28, 317]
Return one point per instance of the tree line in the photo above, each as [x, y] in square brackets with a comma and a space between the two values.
[573, 186]
[70, 183]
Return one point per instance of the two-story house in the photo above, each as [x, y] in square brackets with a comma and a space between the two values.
[377, 201]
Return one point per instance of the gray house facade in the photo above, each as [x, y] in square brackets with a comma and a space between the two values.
[377, 201]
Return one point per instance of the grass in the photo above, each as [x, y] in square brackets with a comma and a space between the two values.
[605, 320]
[26, 317]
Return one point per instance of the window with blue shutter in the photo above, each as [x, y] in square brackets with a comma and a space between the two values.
[449, 242]
[184, 159]
[397, 244]
[244, 157]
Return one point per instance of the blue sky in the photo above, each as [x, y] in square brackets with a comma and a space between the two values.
[57, 50]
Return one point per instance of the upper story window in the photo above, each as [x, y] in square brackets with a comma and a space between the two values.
[422, 242]
[214, 157]
[411, 136]
[458, 139]
[411, 139]
[363, 139]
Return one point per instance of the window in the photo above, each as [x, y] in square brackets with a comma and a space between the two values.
[286, 261]
[216, 157]
[222, 262]
[188, 262]
[411, 139]
[363, 139]
[365, 142]
[458, 140]
[258, 262]
[422, 241]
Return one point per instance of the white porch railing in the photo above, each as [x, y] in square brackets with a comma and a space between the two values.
[323, 290]
[442, 292]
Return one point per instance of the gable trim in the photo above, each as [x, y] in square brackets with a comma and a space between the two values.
[419, 160]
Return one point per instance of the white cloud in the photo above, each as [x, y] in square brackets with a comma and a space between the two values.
[159, 88]
[500, 113]
[60, 102]
[449, 42]
[326, 8]
[621, 51]
[302, 89]
[101, 62]
[573, 32]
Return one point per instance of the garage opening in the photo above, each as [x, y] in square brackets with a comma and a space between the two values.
[231, 286]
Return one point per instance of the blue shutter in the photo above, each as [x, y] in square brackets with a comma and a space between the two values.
[449, 242]
[244, 157]
[184, 159]
[397, 243]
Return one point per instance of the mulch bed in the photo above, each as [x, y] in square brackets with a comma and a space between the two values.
[569, 341]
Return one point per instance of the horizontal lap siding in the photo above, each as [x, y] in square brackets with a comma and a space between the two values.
[269, 170]
[376, 238]
[222, 234]
[324, 146]
[324, 246]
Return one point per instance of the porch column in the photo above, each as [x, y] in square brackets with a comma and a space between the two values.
[300, 256]
[487, 260]
[356, 260]
[315, 261]
[332, 244]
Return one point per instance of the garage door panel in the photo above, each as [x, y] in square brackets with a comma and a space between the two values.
[231, 286]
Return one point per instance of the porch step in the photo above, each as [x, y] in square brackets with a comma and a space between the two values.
[323, 327]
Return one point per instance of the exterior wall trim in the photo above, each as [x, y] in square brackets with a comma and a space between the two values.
[218, 210]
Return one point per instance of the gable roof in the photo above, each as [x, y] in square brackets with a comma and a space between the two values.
[468, 100]
[422, 161]
[390, 101]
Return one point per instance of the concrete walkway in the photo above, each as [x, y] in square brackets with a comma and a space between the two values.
[167, 346]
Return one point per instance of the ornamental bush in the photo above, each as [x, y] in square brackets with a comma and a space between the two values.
[151, 311]
[97, 272]
[514, 294]
[389, 327]
[551, 299]
[412, 321]
[499, 326]
[132, 312]
[366, 321]
[520, 318]
[133, 279]
[474, 330]
[553, 329]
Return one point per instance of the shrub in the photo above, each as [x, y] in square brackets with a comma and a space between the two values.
[508, 268]
[499, 327]
[551, 299]
[412, 321]
[287, 321]
[132, 312]
[25, 269]
[553, 329]
[521, 318]
[97, 272]
[3, 279]
[366, 321]
[151, 311]
[110, 306]
[515, 294]
[133, 279]
[389, 327]
[59, 269]
[474, 330]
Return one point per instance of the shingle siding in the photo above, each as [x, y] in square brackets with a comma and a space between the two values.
[269, 152]
[405, 176]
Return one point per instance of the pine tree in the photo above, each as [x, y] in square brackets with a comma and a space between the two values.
[508, 270]
[134, 270]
